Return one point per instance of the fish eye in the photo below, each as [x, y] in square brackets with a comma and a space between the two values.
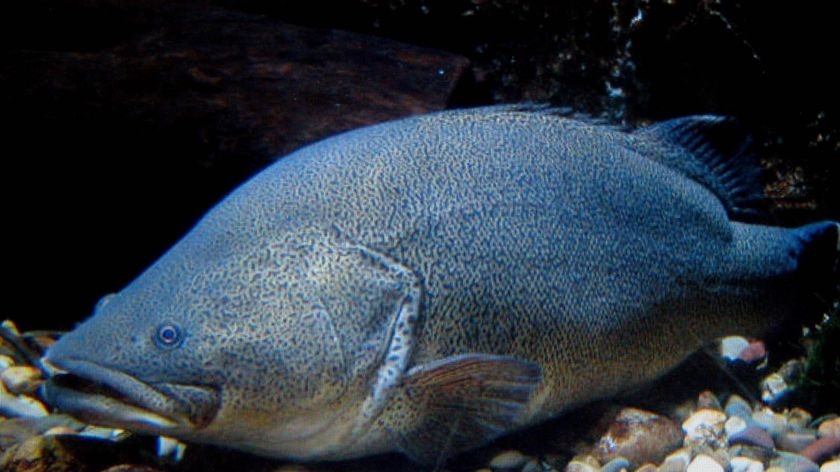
[168, 335]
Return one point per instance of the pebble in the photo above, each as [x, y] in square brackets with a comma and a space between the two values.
[753, 436]
[745, 464]
[508, 460]
[639, 436]
[830, 427]
[143, 468]
[773, 388]
[21, 379]
[579, 466]
[704, 463]
[831, 466]
[20, 406]
[737, 406]
[533, 465]
[799, 418]
[791, 462]
[676, 462]
[822, 448]
[707, 399]
[704, 422]
[618, 464]
[59, 430]
[734, 425]
[39, 453]
[6, 361]
[770, 421]
[795, 441]
[732, 346]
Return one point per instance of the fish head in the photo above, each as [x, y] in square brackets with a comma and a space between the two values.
[270, 346]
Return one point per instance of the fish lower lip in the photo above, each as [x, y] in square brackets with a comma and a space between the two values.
[101, 395]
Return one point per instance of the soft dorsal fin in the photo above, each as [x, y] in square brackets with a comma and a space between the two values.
[718, 153]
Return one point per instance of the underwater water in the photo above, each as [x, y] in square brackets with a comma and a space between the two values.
[149, 125]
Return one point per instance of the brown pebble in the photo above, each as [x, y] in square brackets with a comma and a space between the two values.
[39, 453]
[707, 399]
[132, 468]
[639, 436]
[822, 448]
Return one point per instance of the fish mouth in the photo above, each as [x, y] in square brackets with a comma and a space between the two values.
[104, 396]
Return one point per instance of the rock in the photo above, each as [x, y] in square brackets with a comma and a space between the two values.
[745, 464]
[21, 379]
[796, 441]
[831, 466]
[533, 465]
[732, 346]
[754, 436]
[676, 462]
[830, 427]
[144, 468]
[734, 425]
[770, 421]
[703, 423]
[737, 406]
[799, 418]
[16, 430]
[638, 436]
[704, 463]
[707, 399]
[618, 464]
[39, 453]
[790, 462]
[59, 430]
[579, 466]
[647, 468]
[6, 361]
[757, 453]
[755, 352]
[508, 460]
[773, 388]
[822, 448]
[20, 405]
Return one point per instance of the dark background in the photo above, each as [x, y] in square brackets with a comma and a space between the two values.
[126, 120]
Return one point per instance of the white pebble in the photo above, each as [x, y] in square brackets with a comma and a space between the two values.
[770, 421]
[734, 425]
[704, 422]
[731, 347]
[704, 463]
[21, 379]
[745, 464]
[508, 460]
[20, 405]
[6, 361]
[578, 466]
[831, 466]
[773, 387]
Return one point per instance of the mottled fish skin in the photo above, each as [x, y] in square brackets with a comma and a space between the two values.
[492, 266]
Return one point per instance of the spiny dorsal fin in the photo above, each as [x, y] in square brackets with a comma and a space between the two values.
[718, 153]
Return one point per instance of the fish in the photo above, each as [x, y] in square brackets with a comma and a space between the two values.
[427, 285]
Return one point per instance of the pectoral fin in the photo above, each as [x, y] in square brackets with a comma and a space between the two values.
[458, 403]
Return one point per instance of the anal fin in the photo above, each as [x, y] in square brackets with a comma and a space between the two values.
[458, 403]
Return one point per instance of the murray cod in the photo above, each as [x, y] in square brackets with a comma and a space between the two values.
[429, 284]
